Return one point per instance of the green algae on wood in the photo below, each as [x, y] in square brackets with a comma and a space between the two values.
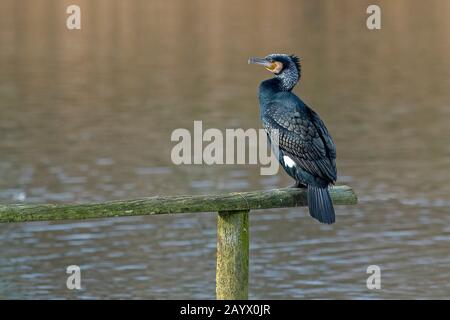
[232, 255]
[253, 200]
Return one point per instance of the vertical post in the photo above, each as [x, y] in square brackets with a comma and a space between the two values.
[232, 255]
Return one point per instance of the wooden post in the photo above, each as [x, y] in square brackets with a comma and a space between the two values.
[232, 255]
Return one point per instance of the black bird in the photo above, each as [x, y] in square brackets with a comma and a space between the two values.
[305, 148]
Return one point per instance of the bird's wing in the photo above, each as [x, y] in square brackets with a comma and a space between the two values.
[302, 136]
[323, 132]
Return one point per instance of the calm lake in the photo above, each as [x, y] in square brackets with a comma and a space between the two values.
[87, 115]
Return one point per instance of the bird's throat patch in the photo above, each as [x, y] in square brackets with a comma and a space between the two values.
[275, 67]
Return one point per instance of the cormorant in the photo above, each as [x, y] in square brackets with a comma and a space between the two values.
[305, 148]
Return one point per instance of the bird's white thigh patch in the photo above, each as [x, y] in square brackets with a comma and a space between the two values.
[288, 161]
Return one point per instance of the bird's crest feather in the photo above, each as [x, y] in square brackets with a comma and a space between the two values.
[296, 61]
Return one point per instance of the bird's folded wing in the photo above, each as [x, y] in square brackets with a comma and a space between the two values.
[298, 137]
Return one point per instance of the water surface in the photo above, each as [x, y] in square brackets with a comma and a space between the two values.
[87, 116]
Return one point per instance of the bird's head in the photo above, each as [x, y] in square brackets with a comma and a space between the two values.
[285, 67]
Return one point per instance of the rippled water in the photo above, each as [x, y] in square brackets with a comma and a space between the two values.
[87, 116]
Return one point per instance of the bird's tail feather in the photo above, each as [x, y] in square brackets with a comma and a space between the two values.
[320, 204]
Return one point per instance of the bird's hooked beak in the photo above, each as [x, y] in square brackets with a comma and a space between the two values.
[260, 61]
[274, 67]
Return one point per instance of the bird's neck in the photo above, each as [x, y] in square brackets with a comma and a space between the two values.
[267, 89]
[270, 87]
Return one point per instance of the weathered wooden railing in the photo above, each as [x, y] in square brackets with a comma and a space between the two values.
[232, 222]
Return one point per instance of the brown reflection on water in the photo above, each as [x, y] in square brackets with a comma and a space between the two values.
[87, 116]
